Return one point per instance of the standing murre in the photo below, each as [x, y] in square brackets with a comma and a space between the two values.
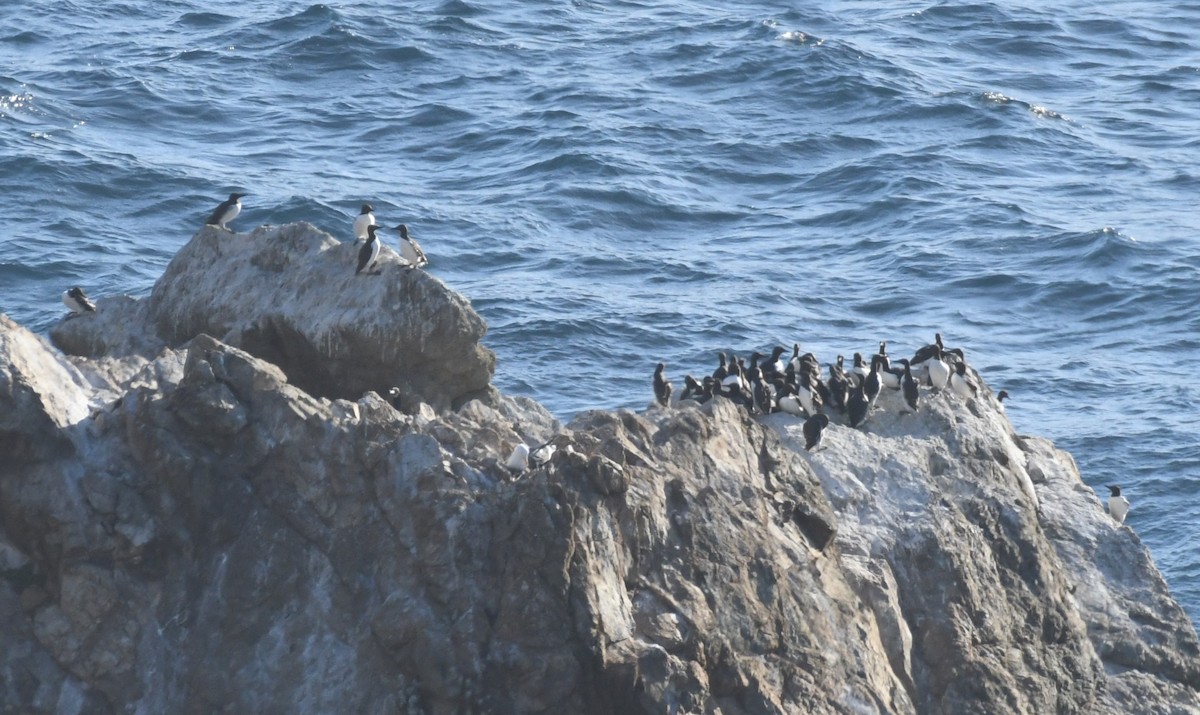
[961, 383]
[77, 301]
[911, 392]
[362, 220]
[1118, 506]
[226, 211]
[410, 250]
[369, 253]
[662, 386]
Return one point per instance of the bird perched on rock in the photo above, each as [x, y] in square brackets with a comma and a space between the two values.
[362, 220]
[1118, 506]
[410, 250]
[369, 253]
[518, 459]
[77, 301]
[961, 383]
[692, 389]
[226, 211]
[909, 385]
[857, 406]
[662, 386]
[939, 371]
[813, 428]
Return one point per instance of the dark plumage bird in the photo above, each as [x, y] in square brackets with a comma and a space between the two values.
[226, 211]
[775, 366]
[362, 220]
[839, 385]
[1001, 396]
[813, 427]
[928, 351]
[857, 406]
[662, 386]
[722, 369]
[692, 389]
[369, 253]
[874, 383]
[410, 250]
[77, 301]
[911, 392]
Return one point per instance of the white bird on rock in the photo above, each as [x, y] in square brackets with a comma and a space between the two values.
[1118, 506]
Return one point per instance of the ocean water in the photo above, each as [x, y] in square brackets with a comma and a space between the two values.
[618, 183]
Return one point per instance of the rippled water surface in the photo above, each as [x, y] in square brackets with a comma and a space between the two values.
[614, 184]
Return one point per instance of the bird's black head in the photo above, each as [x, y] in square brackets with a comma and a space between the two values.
[371, 231]
[1114, 490]
[961, 369]
[366, 209]
[75, 292]
[1003, 394]
[403, 229]
[660, 367]
[777, 352]
[235, 196]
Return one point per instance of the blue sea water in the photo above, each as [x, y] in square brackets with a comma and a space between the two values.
[618, 183]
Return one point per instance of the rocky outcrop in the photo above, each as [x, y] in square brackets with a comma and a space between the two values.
[289, 294]
[218, 538]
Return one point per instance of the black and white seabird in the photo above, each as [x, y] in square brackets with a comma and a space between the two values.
[362, 220]
[839, 384]
[873, 384]
[857, 406]
[939, 371]
[369, 253]
[226, 211]
[77, 301]
[662, 386]
[1118, 506]
[928, 351]
[410, 250]
[722, 369]
[961, 383]
[911, 392]
[813, 427]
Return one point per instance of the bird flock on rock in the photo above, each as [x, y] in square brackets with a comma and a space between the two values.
[411, 254]
[797, 385]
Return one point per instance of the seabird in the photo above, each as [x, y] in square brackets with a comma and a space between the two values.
[410, 250]
[776, 365]
[839, 384]
[939, 372]
[909, 385]
[859, 368]
[692, 389]
[662, 386]
[369, 253]
[722, 369]
[789, 402]
[961, 383]
[518, 460]
[874, 383]
[77, 301]
[813, 426]
[928, 351]
[362, 220]
[226, 211]
[857, 406]
[1118, 506]
[1000, 397]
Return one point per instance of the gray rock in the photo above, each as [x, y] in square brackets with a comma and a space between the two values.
[289, 294]
[191, 531]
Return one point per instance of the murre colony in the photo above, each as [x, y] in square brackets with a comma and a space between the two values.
[765, 384]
